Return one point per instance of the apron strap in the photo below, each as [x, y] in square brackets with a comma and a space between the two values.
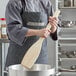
[23, 6]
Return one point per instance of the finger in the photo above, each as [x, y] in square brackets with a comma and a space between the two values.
[49, 30]
[52, 18]
[47, 33]
[54, 23]
[55, 18]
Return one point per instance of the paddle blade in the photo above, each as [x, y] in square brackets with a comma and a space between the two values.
[32, 54]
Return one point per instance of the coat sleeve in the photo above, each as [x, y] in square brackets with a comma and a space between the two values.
[50, 13]
[15, 30]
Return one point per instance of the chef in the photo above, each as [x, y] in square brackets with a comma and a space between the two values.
[26, 22]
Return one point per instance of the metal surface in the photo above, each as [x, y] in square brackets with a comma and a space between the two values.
[0, 59]
[68, 74]
[3, 52]
[36, 70]
[67, 24]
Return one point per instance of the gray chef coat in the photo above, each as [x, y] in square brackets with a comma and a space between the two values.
[17, 30]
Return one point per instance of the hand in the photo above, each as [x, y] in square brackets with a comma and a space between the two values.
[53, 22]
[43, 32]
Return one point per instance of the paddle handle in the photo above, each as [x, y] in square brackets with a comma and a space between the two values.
[56, 14]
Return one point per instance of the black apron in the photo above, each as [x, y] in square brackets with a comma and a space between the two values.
[32, 20]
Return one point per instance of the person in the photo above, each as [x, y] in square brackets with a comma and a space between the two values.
[26, 21]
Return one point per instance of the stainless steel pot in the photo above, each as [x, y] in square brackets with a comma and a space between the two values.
[36, 70]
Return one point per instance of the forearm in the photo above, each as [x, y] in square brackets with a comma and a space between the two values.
[41, 32]
[32, 32]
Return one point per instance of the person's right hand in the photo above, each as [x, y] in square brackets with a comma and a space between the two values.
[44, 32]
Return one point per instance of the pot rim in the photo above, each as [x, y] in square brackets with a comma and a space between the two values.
[13, 67]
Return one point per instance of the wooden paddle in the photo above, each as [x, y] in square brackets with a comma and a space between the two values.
[34, 51]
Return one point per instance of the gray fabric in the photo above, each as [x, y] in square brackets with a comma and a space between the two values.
[38, 17]
[17, 29]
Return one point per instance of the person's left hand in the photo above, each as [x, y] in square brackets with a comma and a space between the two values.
[53, 22]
